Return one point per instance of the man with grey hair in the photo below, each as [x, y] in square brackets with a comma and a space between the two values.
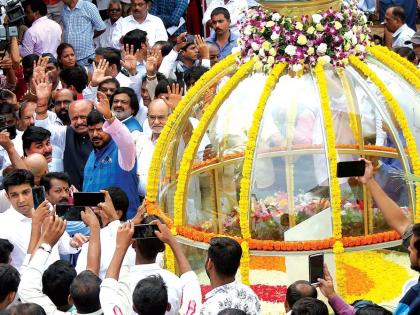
[114, 13]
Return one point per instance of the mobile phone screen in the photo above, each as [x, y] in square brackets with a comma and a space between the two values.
[88, 199]
[69, 212]
[316, 267]
[142, 231]
[350, 168]
[38, 195]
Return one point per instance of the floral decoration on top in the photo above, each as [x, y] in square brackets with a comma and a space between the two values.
[328, 37]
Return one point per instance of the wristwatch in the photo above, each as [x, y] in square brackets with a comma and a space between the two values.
[45, 247]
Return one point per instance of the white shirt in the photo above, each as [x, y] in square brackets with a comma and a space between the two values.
[235, 8]
[401, 35]
[108, 242]
[231, 295]
[43, 36]
[144, 152]
[153, 25]
[105, 39]
[15, 227]
[17, 142]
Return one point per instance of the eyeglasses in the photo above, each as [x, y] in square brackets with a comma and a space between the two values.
[159, 117]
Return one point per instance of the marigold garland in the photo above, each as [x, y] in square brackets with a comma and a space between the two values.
[190, 151]
[169, 259]
[244, 267]
[398, 113]
[403, 64]
[398, 64]
[173, 123]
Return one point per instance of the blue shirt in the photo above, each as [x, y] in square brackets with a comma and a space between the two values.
[410, 303]
[170, 12]
[102, 170]
[132, 124]
[226, 50]
[79, 26]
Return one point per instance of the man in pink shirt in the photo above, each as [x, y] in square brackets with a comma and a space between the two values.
[44, 35]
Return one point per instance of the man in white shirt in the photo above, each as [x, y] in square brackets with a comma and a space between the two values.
[44, 35]
[395, 23]
[16, 222]
[235, 8]
[140, 19]
[114, 12]
[224, 256]
[415, 41]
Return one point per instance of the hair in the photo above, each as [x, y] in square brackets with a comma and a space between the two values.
[135, 38]
[165, 47]
[26, 309]
[416, 233]
[94, 118]
[22, 107]
[60, 50]
[194, 74]
[9, 279]
[114, 2]
[149, 248]
[51, 58]
[119, 199]
[225, 253]
[84, 291]
[5, 94]
[37, 6]
[373, 310]
[110, 80]
[6, 108]
[18, 177]
[150, 296]
[231, 311]
[406, 52]
[56, 282]
[34, 134]
[162, 86]
[112, 55]
[398, 13]
[75, 77]
[220, 10]
[28, 66]
[294, 294]
[6, 248]
[134, 101]
[309, 306]
[46, 179]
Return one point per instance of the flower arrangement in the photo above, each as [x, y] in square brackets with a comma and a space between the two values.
[327, 37]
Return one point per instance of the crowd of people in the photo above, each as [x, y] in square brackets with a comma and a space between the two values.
[85, 91]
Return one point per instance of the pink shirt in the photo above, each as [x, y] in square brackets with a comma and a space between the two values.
[43, 36]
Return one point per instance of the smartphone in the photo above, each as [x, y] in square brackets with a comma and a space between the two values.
[68, 212]
[38, 194]
[316, 267]
[142, 231]
[189, 38]
[351, 168]
[88, 199]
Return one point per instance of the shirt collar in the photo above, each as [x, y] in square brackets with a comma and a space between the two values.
[146, 267]
[98, 312]
[42, 18]
[232, 37]
[399, 31]
[131, 18]
[17, 215]
[129, 117]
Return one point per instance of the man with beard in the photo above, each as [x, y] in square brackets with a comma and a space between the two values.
[62, 100]
[223, 37]
[113, 160]
[145, 143]
[410, 234]
[72, 141]
[125, 106]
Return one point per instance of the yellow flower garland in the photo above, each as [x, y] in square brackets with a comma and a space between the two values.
[398, 113]
[169, 259]
[173, 123]
[198, 132]
[338, 248]
[247, 167]
[399, 64]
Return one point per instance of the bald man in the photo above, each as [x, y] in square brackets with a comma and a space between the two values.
[62, 101]
[157, 117]
[37, 165]
[296, 291]
[73, 140]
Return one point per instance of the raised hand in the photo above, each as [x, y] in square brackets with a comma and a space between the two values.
[368, 172]
[326, 285]
[89, 218]
[174, 95]
[54, 229]
[103, 105]
[39, 67]
[125, 235]
[98, 74]
[164, 234]
[41, 213]
[6, 63]
[129, 61]
[202, 47]
[141, 212]
[152, 61]
[5, 141]
[108, 207]
[78, 240]
[180, 41]
[42, 87]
